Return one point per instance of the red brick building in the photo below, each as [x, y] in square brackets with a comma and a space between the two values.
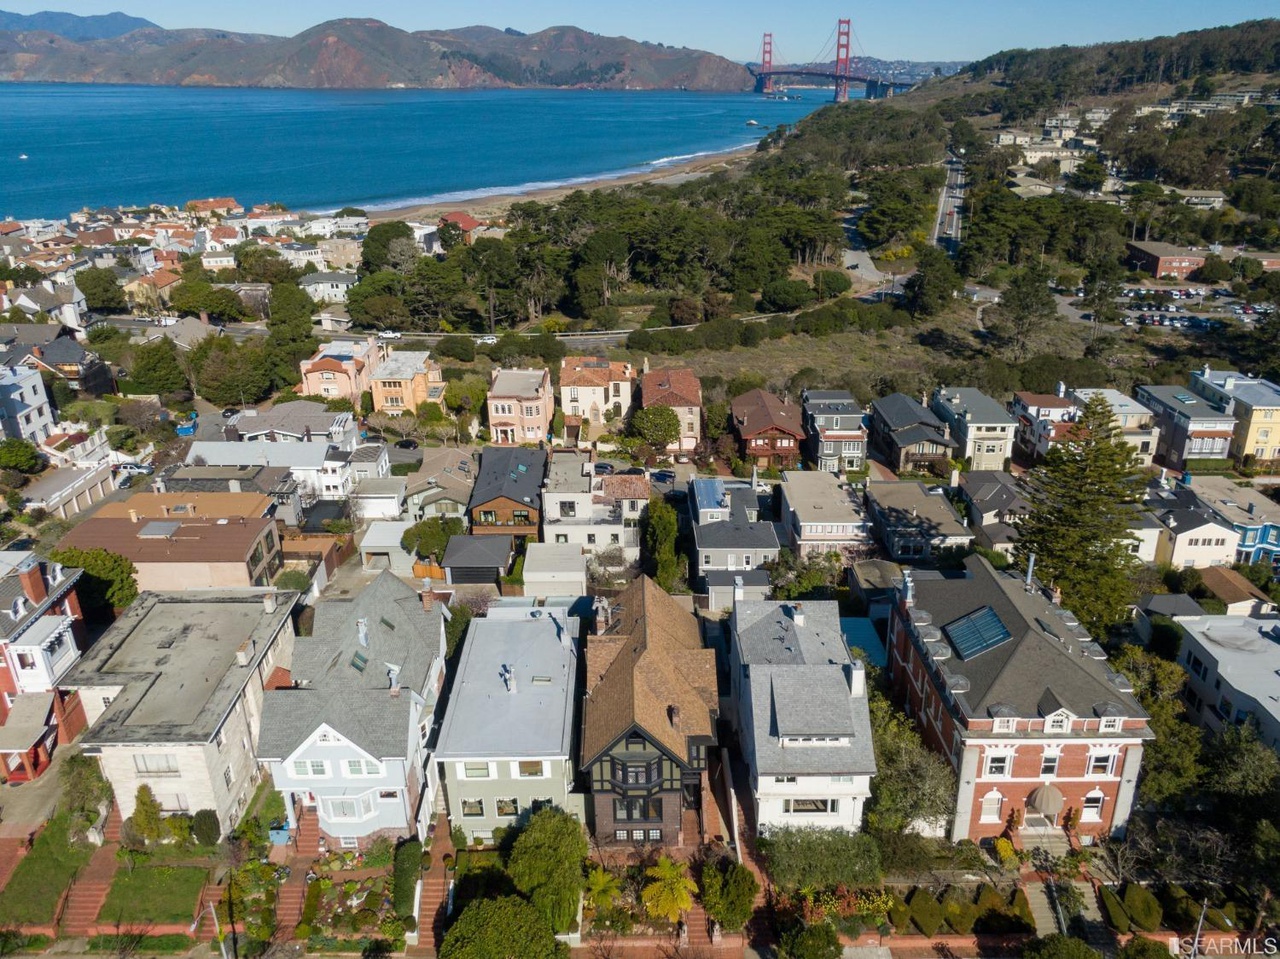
[1164, 259]
[769, 430]
[1014, 693]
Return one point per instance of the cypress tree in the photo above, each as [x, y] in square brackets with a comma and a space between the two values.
[1079, 524]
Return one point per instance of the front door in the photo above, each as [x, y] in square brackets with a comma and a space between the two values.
[691, 794]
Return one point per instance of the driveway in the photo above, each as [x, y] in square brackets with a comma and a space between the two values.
[856, 259]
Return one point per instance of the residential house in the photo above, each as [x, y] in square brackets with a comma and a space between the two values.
[65, 491]
[275, 481]
[301, 255]
[301, 421]
[220, 206]
[348, 737]
[476, 560]
[731, 532]
[328, 287]
[1253, 515]
[219, 260]
[506, 499]
[1201, 199]
[834, 430]
[822, 513]
[469, 225]
[1237, 594]
[521, 406]
[1190, 427]
[679, 390]
[194, 743]
[441, 486]
[1043, 419]
[207, 506]
[1231, 664]
[1151, 608]
[981, 428]
[76, 445]
[340, 369]
[61, 302]
[577, 510]
[65, 357]
[913, 523]
[1136, 424]
[996, 505]
[649, 720]
[153, 291]
[378, 497]
[1192, 534]
[907, 435]
[200, 553]
[769, 430]
[320, 472]
[1013, 692]
[380, 548]
[592, 387]
[40, 634]
[1253, 403]
[405, 380]
[507, 743]
[801, 714]
[25, 412]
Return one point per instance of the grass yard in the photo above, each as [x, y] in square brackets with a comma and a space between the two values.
[32, 893]
[154, 894]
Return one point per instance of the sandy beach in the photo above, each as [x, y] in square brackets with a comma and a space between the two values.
[495, 207]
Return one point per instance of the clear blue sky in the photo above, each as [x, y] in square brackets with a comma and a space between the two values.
[903, 29]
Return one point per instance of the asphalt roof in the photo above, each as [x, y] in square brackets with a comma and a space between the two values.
[737, 531]
[512, 472]
[900, 411]
[491, 552]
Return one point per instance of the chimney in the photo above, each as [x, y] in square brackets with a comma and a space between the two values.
[1060, 389]
[133, 516]
[393, 681]
[428, 597]
[1229, 383]
[191, 509]
[1249, 508]
[739, 593]
[269, 602]
[508, 677]
[35, 351]
[362, 632]
[955, 479]
[856, 674]
[1205, 371]
[673, 716]
[797, 614]
[908, 589]
[31, 576]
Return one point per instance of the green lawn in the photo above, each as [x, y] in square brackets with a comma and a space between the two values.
[32, 892]
[154, 894]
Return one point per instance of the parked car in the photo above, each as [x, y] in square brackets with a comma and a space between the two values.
[664, 476]
[406, 444]
[124, 481]
[229, 412]
[389, 334]
[604, 469]
[486, 341]
[136, 469]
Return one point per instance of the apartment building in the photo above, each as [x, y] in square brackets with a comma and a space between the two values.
[521, 406]
[405, 380]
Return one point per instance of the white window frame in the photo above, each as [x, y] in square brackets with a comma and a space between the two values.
[1004, 724]
[1006, 759]
[1111, 724]
[311, 771]
[464, 773]
[1057, 723]
[1048, 758]
[1108, 756]
[1098, 800]
[983, 806]
[369, 768]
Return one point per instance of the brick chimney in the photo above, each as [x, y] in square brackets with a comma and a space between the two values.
[31, 576]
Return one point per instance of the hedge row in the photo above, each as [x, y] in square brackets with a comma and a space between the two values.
[1112, 908]
[1143, 907]
[962, 912]
[407, 866]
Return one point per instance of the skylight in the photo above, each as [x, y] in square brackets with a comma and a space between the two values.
[976, 632]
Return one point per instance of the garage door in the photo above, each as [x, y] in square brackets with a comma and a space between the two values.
[472, 575]
[377, 561]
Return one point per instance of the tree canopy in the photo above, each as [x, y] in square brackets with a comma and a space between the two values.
[431, 536]
[656, 426]
[108, 581]
[503, 928]
[546, 865]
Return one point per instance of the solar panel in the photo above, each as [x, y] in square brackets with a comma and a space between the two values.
[976, 632]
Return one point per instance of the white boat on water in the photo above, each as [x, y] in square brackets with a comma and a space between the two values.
[22, 156]
[753, 123]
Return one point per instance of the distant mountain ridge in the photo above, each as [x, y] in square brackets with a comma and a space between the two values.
[365, 53]
[73, 26]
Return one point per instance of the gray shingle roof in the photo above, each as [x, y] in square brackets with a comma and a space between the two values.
[482, 552]
[900, 411]
[356, 703]
[512, 472]
[737, 532]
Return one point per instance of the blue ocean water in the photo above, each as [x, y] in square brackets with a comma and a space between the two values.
[90, 145]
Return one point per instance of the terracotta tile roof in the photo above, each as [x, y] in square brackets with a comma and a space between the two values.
[212, 205]
[160, 279]
[671, 387]
[1229, 586]
[759, 410]
[189, 542]
[626, 487]
[463, 220]
[662, 679]
[279, 679]
[592, 371]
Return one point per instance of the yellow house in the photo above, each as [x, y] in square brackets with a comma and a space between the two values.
[1255, 404]
[405, 380]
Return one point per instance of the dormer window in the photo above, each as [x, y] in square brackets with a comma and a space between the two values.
[1057, 723]
[18, 608]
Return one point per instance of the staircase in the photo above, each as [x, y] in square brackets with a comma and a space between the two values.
[699, 929]
[435, 892]
[1041, 909]
[209, 899]
[289, 904]
[111, 828]
[308, 833]
[1093, 928]
[84, 902]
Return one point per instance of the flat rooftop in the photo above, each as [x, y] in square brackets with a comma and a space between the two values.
[1238, 505]
[1120, 404]
[178, 662]
[566, 473]
[1247, 651]
[403, 365]
[821, 497]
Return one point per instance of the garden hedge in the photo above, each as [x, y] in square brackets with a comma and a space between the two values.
[205, 827]
[925, 912]
[408, 864]
[900, 914]
[959, 909]
[1021, 909]
[1143, 907]
[1114, 911]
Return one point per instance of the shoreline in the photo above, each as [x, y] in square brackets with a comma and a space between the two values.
[495, 206]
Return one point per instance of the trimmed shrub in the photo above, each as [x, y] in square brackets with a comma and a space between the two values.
[1114, 911]
[959, 910]
[310, 907]
[302, 931]
[408, 863]
[1180, 910]
[205, 827]
[1222, 919]
[1020, 908]
[925, 912]
[900, 914]
[1143, 907]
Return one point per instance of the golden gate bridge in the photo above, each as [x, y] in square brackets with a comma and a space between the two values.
[772, 68]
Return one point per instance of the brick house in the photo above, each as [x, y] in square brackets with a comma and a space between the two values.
[1013, 692]
[1163, 260]
[521, 406]
[649, 721]
[769, 430]
[680, 390]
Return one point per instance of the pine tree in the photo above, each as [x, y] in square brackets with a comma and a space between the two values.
[1079, 524]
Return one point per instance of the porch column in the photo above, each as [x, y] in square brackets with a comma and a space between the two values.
[26, 764]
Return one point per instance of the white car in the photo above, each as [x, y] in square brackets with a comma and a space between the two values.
[389, 334]
[486, 341]
[136, 469]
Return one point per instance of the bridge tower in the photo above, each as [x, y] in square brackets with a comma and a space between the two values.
[766, 63]
[843, 47]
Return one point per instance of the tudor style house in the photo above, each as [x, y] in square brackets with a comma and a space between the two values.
[769, 430]
[801, 713]
[649, 721]
[506, 743]
[906, 434]
[1013, 692]
[348, 738]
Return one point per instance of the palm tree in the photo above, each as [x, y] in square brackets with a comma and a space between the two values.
[602, 888]
[670, 892]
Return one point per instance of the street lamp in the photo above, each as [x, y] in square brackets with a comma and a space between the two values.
[222, 943]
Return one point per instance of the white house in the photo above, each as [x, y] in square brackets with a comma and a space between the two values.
[328, 287]
[506, 743]
[348, 740]
[25, 412]
[151, 723]
[320, 471]
[592, 387]
[1232, 663]
[800, 707]
[577, 510]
